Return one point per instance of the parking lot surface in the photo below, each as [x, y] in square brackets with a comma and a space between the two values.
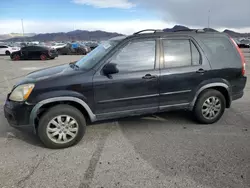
[164, 150]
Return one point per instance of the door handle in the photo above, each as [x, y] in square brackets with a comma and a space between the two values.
[201, 71]
[149, 76]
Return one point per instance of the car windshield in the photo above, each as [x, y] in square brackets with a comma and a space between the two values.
[90, 60]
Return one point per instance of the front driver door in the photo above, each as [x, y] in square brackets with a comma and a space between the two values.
[134, 90]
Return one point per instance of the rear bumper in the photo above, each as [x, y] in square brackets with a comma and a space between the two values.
[237, 95]
[238, 88]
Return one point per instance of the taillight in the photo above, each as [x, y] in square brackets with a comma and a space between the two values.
[243, 61]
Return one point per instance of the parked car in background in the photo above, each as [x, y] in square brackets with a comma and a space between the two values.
[72, 49]
[92, 45]
[244, 43]
[58, 45]
[34, 52]
[7, 50]
[127, 76]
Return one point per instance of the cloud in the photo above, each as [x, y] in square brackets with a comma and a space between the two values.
[223, 13]
[123, 4]
[124, 27]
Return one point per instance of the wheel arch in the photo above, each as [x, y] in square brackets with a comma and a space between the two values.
[221, 87]
[76, 102]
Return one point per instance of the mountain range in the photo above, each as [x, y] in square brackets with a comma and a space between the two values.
[68, 36]
[94, 35]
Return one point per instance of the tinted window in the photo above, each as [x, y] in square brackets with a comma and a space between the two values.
[221, 51]
[177, 53]
[136, 56]
[180, 53]
[3, 46]
[196, 59]
[28, 48]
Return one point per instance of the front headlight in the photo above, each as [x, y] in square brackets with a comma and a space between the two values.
[22, 92]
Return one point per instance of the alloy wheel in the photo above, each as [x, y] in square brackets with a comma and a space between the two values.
[211, 108]
[62, 129]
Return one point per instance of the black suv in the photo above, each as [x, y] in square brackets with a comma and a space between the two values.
[143, 73]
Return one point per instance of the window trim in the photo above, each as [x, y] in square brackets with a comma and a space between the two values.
[200, 60]
[162, 56]
[138, 40]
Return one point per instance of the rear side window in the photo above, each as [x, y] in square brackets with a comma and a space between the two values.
[180, 53]
[221, 52]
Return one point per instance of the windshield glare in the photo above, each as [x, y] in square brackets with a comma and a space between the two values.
[90, 60]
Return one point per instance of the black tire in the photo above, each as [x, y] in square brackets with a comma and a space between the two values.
[7, 52]
[53, 112]
[199, 106]
[52, 58]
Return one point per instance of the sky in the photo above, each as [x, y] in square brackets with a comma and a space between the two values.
[122, 16]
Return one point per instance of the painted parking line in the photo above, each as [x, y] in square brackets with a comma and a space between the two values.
[30, 68]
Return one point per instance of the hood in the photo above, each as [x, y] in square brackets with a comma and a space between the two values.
[47, 73]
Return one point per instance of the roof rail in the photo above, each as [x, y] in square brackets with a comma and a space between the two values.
[192, 30]
[146, 30]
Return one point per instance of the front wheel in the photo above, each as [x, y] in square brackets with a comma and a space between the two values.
[210, 106]
[43, 57]
[7, 53]
[61, 126]
[16, 57]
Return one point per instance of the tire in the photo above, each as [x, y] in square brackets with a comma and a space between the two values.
[16, 57]
[53, 113]
[202, 106]
[43, 57]
[7, 52]
[52, 58]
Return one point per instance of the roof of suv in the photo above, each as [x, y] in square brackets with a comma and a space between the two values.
[161, 33]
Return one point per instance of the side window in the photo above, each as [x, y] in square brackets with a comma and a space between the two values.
[180, 53]
[196, 58]
[3, 46]
[136, 56]
[221, 51]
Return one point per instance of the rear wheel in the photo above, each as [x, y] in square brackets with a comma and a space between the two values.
[61, 126]
[210, 106]
[16, 57]
[7, 52]
[43, 57]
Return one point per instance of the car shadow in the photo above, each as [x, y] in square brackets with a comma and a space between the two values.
[25, 134]
[178, 147]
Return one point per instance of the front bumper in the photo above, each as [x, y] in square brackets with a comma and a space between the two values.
[53, 55]
[18, 113]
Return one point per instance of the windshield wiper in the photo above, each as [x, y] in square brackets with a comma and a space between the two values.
[73, 65]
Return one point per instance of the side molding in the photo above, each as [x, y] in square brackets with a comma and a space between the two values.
[217, 84]
[56, 99]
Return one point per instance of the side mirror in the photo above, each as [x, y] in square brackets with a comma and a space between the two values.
[110, 68]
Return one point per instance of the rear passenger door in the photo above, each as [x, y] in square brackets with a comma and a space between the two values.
[183, 68]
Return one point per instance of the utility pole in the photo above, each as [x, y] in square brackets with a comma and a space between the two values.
[208, 19]
[22, 27]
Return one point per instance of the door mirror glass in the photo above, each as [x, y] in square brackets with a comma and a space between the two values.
[110, 68]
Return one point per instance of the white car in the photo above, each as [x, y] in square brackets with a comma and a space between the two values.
[58, 45]
[7, 50]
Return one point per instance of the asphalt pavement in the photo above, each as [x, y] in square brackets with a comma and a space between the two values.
[165, 150]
